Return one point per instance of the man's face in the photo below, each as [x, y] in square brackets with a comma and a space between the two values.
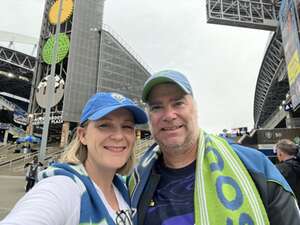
[173, 118]
[280, 155]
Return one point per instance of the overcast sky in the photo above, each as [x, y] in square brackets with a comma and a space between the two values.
[221, 62]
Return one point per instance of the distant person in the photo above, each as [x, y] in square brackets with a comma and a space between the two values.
[289, 163]
[33, 168]
[51, 161]
[192, 177]
[87, 187]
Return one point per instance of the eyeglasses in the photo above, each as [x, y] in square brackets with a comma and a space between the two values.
[124, 217]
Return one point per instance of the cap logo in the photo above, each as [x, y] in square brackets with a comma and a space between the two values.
[118, 97]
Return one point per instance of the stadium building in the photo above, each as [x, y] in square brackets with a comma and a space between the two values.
[90, 58]
[16, 71]
[277, 95]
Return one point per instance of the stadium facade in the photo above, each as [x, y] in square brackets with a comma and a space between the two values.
[90, 58]
[276, 108]
[16, 71]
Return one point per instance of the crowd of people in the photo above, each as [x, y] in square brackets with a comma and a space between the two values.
[187, 177]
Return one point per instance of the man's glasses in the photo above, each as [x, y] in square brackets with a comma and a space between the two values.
[124, 217]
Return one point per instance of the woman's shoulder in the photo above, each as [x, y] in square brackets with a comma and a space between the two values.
[57, 190]
[54, 200]
[58, 182]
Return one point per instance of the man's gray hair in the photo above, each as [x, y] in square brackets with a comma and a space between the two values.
[287, 146]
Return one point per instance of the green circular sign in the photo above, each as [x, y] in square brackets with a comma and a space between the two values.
[62, 50]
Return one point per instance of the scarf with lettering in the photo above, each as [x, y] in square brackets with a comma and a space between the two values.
[224, 191]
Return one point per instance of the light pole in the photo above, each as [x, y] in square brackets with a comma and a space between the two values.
[50, 88]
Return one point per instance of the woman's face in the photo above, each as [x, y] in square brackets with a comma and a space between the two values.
[109, 140]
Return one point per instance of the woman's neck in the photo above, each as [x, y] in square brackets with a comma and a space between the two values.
[104, 180]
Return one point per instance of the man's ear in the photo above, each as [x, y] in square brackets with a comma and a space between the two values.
[279, 155]
[81, 132]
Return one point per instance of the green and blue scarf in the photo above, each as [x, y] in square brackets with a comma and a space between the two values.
[224, 191]
[92, 209]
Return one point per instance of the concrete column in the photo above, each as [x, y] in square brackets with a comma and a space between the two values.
[5, 137]
[29, 128]
[64, 134]
[138, 134]
[289, 120]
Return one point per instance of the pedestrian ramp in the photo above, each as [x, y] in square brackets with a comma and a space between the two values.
[142, 145]
[12, 129]
[14, 163]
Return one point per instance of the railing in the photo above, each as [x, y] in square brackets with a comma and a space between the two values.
[3, 158]
[6, 147]
[16, 130]
[142, 146]
[49, 157]
[13, 164]
[25, 158]
[3, 147]
[17, 160]
[12, 129]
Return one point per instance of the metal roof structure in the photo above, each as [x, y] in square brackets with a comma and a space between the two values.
[257, 14]
[272, 84]
[16, 72]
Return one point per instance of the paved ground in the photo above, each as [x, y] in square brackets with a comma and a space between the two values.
[12, 182]
[11, 189]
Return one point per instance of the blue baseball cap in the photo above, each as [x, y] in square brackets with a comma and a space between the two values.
[102, 103]
[166, 76]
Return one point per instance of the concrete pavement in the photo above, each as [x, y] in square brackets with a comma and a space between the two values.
[11, 190]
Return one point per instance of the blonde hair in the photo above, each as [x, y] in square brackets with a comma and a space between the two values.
[76, 153]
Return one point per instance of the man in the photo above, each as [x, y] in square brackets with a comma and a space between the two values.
[289, 164]
[33, 168]
[191, 177]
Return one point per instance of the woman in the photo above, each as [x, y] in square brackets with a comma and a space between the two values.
[84, 188]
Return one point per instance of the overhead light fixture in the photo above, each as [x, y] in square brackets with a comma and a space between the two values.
[10, 75]
[23, 78]
[3, 72]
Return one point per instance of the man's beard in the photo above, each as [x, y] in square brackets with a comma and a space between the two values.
[189, 141]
